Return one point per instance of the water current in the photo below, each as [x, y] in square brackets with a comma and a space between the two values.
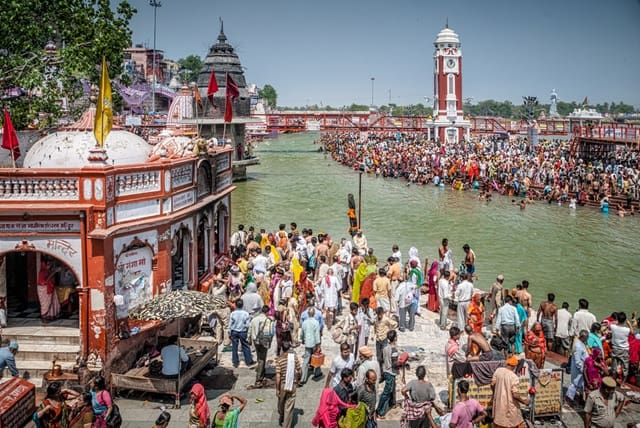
[572, 253]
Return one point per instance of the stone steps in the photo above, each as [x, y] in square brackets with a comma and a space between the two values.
[40, 345]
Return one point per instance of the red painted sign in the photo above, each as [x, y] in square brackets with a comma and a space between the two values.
[17, 402]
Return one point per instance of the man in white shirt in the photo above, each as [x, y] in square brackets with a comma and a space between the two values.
[259, 263]
[444, 295]
[174, 359]
[338, 271]
[563, 329]
[404, 297]
[582, 319]
[463, 297]
[396, 253]
[345, 360]
[508, 322]
[360, 242]
[620, 341]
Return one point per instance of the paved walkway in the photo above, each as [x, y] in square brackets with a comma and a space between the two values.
[261, 410]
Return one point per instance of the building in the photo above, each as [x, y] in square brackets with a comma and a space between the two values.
[119, 225]
[222, 60]
[448, 122]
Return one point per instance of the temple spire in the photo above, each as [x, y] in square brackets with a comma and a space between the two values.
[446, 25]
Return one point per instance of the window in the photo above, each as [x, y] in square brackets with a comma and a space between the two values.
[452, 87]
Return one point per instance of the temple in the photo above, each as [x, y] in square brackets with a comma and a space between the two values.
[101, 231]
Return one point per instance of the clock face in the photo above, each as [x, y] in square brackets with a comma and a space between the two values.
[451, 63]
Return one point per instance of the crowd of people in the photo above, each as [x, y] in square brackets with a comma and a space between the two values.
[292, 285]
[549, 170]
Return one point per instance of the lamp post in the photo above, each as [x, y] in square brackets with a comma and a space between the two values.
[372, 80]
[155, 4]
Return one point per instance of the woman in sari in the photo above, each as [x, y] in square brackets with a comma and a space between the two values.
[536, 345]
[199, 413]
[432, 280]
[329, 409]
[476, 313]
[523, 315]
[49, 304]
[53, 411]
[304, 287]
[595, 368]
[101, 401]
[82, 415]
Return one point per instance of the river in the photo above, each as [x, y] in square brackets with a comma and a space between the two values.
[573, 253]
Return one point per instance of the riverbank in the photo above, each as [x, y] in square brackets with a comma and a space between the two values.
[569, 252]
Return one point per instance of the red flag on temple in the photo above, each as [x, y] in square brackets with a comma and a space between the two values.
[232, 93]
[213, 86]
[9, 137]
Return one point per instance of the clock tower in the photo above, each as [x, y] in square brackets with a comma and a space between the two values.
[449, 122]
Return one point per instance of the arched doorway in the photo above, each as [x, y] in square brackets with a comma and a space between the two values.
[203, 244]
[36, 287]
[221, 228]
[181, 259]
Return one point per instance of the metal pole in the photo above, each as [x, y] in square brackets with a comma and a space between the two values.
[360, 200]
[155, 4]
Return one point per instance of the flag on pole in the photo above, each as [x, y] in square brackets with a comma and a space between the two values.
[104, 109]
[585, 102]
[232, 93]
[197, 96]
[213, 86]
[9, 137]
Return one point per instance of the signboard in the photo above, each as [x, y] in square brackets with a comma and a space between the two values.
[40, 226]
[136, 210]
[484, 393]
[223, 162]
[183, 200]
[548, 398]
[133, 279]
[133, 121]
[17, 402]
[181, 176]
[223, 181]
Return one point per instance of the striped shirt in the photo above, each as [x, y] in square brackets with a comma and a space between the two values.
[281, 368]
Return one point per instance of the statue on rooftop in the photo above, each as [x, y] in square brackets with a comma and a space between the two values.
[553, 108]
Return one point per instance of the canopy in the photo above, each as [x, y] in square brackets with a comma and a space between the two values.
[178, 304]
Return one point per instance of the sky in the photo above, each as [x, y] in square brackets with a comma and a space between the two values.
[326, 52]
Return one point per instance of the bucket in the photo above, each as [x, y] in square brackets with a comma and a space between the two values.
[317, 360]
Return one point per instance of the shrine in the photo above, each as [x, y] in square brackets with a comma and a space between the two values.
[88, 233]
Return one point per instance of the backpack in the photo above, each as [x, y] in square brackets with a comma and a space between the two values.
[265, 335]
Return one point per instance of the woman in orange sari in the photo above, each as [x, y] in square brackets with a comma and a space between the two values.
[476, 313]
[303, 288]
[433, 304]
[536, 345]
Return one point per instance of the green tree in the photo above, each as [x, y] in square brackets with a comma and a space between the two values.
[81, 32]
[190, 67]
[269, 94]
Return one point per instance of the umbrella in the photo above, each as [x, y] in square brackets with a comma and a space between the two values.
[178, 304]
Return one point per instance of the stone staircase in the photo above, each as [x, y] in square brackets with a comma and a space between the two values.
[39, 346]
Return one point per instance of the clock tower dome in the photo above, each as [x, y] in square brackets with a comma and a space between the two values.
[449, 122]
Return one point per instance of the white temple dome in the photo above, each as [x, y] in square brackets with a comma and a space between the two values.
[447, 35]
[70, 149]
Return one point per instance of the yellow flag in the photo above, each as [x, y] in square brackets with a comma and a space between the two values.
[104, 110]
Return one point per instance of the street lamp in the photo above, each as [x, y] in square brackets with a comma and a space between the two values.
[372, 80]
[155, 4]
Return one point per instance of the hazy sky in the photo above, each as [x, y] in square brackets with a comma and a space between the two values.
[326, 51]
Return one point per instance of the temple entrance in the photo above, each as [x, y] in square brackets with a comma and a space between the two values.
[36, 288]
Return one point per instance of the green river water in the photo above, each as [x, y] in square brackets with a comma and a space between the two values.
[573, 253]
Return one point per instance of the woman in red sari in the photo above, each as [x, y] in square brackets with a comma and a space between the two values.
[433, 304]
[594, 369]
[329, 410]
[476, 313]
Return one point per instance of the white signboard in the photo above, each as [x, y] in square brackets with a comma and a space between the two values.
[182, 175]
[40, 226]
[135, 210]
[66, 248]
[183, 200]
[133, 279]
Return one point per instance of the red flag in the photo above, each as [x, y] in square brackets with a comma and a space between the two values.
[232, 93]
[9, 136]
[213, 86]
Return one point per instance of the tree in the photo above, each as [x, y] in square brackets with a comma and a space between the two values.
[33, 81]
[190, 68]
[269, 94]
